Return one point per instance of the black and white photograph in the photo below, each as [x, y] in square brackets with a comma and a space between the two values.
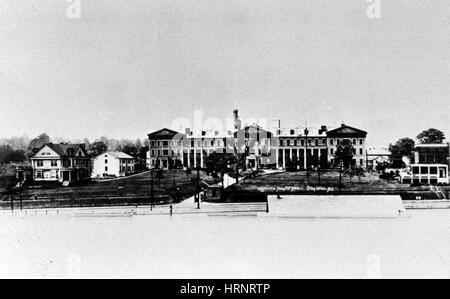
[225, 144]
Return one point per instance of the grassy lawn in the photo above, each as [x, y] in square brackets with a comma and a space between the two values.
[127, 191]
[297, 183]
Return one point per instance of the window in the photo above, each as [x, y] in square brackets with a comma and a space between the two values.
[165, 143]
[316, 141]
[153, 143]
[433, 170]
[40, 163]
[424, 170]
[106, 168]
[360, 141]
[165, 152]
[288, 143]
[360, 151]
[192, 143]
[295, 142]
[106, 161]
[302, 142]
[331, 141]
[39, 174]
[292, 132]
[354, 141]
[361, 162]
[281, 142]
[54, 163]
[153, 152]
[331, 151]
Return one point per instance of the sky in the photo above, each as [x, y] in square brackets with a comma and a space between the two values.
[125, 68]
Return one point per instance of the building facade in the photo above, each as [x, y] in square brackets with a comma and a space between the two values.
[432, 153]
[279, 148]
[431, 164]
[346, 134]
[61, 163]
[116, 164]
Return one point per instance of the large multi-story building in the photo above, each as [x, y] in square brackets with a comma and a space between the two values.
[61, 163]
[297, 148]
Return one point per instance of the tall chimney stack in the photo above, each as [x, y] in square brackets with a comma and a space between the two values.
[237, 121]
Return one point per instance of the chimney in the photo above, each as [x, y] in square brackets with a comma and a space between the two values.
[275, 126]
[322, 129]
[342, 125]
[237, 121]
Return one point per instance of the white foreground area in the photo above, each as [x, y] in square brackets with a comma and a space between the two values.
[333, 206]
[224, 246]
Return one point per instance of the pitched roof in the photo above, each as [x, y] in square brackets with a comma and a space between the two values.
[346, 131]
[65, 149]
[163, 134]
[432, 145]
[118, 155]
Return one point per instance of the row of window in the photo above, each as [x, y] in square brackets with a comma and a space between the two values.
[353, 141]
[361, 151]
[295, 142]
[66, 163]
[283, 142]
[122, 169]
[123, 161]
[200, 143]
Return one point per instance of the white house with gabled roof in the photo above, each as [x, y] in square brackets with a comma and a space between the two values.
[115, 164]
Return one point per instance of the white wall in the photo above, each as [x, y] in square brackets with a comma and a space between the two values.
[99, 166]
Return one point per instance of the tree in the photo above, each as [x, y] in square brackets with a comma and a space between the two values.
[431, 136]
[37, 143]
[86, 142]
[129, 149]
[8, 154]
[360, 172]
[344, 153]
[402, 148]
[97, 148]
[218, 164]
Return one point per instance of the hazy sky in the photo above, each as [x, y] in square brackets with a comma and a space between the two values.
[126, 68]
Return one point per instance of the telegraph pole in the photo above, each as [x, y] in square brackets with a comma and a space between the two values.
[198, 186]
[151, 190]
[306, 155]
[20, 194]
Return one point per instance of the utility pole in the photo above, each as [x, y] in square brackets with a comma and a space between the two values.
[306, 155]
[20, 193]
[12, 202]
[198, 186]
[340, 176]
[318, 173]
[151, 190]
